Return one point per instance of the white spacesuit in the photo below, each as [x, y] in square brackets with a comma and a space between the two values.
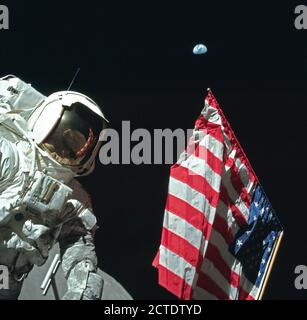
[44, 143]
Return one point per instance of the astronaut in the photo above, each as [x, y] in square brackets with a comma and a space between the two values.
[45, 142]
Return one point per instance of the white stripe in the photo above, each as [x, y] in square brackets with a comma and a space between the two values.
[213, 145]
[224, 212]
[243, 170]
[233, 195]
[211, 114]
[183, 229]
[227, 183]
[197, 166]
[249, 287]
[177, 265]
[226, 177]
[235, 265]
[195, 237]
[219, 242]
[209, 269]
[216, 239]
[201, 294]
[245, 178]
[192, 197]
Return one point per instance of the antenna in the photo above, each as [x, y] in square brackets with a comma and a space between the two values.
[73, 79]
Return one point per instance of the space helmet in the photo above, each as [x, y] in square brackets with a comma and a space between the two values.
[67, 125]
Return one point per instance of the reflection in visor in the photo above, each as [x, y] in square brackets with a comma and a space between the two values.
[71, 148]
[75, 136]
[87, 145]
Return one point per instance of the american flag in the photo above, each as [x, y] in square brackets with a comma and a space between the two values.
[220, 230]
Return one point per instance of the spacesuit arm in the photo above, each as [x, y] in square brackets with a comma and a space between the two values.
[79, 260]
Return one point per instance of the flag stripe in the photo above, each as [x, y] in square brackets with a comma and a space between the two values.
[234, 196]
[205, 282]
[231, 264]
[237, 214]
[221, 226]
[177, 265]
[197, 200]
[225, 270]
[198, 183]
[197, 167]
[201, 294]
[213, 254]
[247, 178]
[211, 142]
[174, 283]
[183, 229]
[225, 213]
[185, 246]
[186, 243]
[191, 215]
[239, 186]
[209, 269]
[180, 247]
[240, 178]
[212, 160]
[229, 137]
[197, 218]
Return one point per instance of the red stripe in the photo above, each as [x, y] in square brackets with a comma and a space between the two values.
[156, 259]
[197, 219]
[243, 295]
[209, 127]
[237, 214]
[196, 182]
[216, 133]
[211, 101]
[235, 174]
[191, 215]
[191, 254]
[237, 183]
[213, 254]
[174, 283]
[249, 170]
[206, 283]
[222, 227]
[181, 247]
[239, 186]
[204, 153]
[184, 249]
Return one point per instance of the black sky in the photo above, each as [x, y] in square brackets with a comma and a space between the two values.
[136, 61]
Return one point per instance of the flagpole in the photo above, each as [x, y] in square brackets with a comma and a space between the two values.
[271, 263]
